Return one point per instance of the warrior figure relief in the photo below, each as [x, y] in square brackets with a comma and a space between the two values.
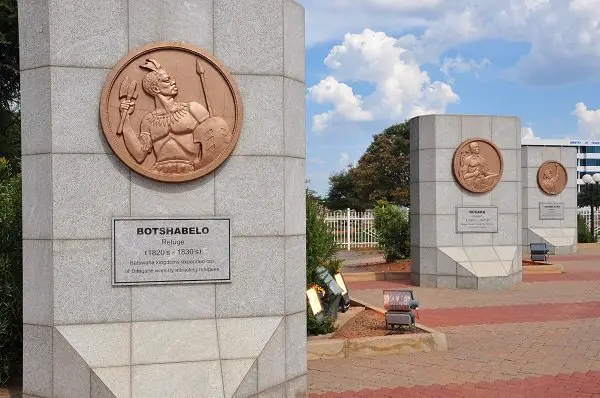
[549, 182]
[183, 136]
[474, 169]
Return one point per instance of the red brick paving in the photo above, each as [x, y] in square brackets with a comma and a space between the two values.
[573, 385]
[509, 314]
[522, 342]
[566, 276]
[527, 278]
[476, 354]
[573, 257]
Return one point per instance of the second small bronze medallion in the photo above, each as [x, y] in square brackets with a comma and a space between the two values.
[552, 177]
[171, 112]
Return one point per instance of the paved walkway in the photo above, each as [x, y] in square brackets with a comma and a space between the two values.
[539, 339]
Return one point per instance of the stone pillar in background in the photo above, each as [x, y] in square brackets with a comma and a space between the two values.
[549, 218]
[82, 336]
[441, 255]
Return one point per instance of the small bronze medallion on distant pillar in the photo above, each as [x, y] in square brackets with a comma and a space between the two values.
[477, 165]
[171, 112]
[552, 177]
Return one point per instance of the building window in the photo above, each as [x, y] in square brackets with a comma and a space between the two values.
[590, 149]
[590, 162]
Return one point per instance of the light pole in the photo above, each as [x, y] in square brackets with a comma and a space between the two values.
[592, 180]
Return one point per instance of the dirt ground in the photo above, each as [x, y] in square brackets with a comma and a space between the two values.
[369, 323]
[401, 265]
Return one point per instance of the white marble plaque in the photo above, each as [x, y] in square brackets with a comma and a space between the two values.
[552, 211]
[169, 251]
[476, 219]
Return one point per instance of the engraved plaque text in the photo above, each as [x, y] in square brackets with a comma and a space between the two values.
[552, 211]
[476, 219]
[168, 251]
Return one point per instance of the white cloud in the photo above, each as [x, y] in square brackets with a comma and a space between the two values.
[527, 133]
[563, 35]
[346, 104]
[588, 120]
[401, 5]
[344, 159]
[451, 66]
[321, 120]
[401, 88]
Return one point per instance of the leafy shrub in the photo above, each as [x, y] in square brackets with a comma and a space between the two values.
[320, 251]
[316, 327]
[393, 230]
[320, 242]
[584, 235]
[10, 273]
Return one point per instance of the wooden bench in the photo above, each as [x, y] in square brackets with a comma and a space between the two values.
[539, 252]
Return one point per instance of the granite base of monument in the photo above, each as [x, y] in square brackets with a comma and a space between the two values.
[481, 267]
[558, 240]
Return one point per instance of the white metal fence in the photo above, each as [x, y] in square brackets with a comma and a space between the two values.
[353, 228]
[585, 212]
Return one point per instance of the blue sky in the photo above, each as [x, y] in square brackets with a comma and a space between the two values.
[373, 63]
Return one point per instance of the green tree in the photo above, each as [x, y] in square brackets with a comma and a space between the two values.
[382, 173]
[10, 195]
[320, 251]
[11, 270]
[314, 195]
[343, 193]
[320, 242]
[10, 133]
[584, 198]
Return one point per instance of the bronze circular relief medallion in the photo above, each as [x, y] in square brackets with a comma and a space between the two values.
[477, 165]
[552, 177]
[171, 112]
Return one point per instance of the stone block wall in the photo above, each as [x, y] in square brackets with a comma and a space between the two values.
[85, 338]
[560, 235]
[441, 257]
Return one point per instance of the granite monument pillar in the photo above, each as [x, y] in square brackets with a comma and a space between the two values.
[465, 202]
[98, 326]
[549, 197]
